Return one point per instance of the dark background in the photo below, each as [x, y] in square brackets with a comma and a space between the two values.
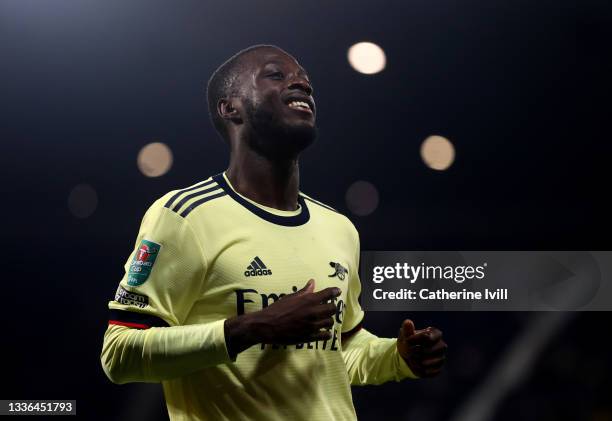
[520, 87]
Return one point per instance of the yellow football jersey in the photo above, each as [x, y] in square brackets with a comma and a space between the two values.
[206, 253]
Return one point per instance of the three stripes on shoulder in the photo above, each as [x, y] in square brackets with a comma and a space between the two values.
[186, 200]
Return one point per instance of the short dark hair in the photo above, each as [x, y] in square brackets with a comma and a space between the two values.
[221, 85]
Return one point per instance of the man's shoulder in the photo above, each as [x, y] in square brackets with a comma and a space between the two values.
[328, 212]
[183, 201]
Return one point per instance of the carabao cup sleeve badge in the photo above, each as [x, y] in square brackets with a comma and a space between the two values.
[142, 263]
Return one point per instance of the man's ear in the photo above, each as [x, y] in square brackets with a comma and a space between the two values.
[228, 109]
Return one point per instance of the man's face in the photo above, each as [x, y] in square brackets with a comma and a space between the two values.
[278, 103]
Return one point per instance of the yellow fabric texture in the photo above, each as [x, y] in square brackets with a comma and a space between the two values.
[210, 241]
[373, 360]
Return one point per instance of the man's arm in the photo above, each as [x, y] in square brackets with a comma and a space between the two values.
[160, 353]
[373, 360]
[413, 354]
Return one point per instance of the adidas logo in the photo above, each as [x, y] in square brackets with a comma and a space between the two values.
[257, 268]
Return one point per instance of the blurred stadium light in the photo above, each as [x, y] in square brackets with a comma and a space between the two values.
[437, 152]
[82, 201]
[155, 159]
[367, 58]
[362, 198]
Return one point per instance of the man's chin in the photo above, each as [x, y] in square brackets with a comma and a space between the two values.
[278, 136]
[302, 130]
[286, 141]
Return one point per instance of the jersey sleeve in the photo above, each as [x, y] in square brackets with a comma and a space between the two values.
[163, 275]
[353, 313]
[373, 360]
[368, 358]
[146, 340]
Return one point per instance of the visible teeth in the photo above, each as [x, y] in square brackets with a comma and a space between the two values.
[299, 104]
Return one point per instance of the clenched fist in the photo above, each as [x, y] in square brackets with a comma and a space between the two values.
[303, 316]
[423, 350]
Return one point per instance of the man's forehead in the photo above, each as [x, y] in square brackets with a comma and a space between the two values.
[266, 56]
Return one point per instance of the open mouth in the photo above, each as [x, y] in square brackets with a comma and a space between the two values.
[300, 105]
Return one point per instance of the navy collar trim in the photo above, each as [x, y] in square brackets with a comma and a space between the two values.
[287, 221]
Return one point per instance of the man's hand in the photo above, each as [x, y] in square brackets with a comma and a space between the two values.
[423, 350]
[304, 316]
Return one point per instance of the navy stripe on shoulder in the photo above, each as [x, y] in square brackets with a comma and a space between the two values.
[192, 195]
[319, 203]
[134, 319]
[199, 202]
[197, 186]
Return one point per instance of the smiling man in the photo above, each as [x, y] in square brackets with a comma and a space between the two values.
[241, 294]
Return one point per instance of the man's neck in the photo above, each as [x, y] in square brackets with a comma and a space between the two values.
[272, 183]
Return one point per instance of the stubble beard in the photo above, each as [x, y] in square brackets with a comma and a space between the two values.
[273, 139]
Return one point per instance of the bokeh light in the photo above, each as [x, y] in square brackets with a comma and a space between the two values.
[82, 200]
[438, 153]
[362, 198]
[367, 57]
[155, 159]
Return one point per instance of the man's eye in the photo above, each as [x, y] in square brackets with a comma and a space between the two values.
[276, 75]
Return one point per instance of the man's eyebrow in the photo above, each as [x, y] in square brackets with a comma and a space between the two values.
[280, 63]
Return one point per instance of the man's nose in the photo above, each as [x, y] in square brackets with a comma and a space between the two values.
[301, 84]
